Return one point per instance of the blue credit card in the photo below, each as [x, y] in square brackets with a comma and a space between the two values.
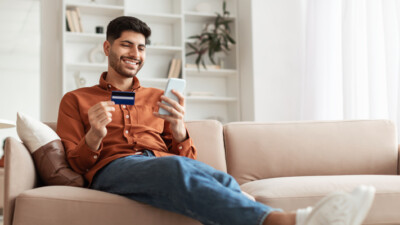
[123, 97]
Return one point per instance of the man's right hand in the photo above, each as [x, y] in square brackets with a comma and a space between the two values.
[99, 116]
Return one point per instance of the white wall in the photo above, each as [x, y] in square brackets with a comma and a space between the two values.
[276, 49]
[19, 60]
[51, 76]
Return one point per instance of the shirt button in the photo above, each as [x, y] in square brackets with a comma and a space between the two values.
[180, 147]
[87, 170]
[95, 157]
[109, 86]
[126, 131]
[124, 106]
[127, 116]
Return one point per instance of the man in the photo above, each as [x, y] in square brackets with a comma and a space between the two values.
[120, 148]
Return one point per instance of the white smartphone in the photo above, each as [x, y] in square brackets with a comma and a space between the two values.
[173, 84]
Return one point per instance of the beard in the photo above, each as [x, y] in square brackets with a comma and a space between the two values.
[115, 63]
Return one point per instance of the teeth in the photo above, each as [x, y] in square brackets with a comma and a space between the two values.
[132, 63]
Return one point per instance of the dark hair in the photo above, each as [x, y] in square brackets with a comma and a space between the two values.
[124, 23]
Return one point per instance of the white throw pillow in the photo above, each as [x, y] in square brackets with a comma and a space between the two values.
[34, 133]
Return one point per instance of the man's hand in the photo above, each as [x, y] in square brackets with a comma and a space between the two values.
[177, 111]
[99, 116]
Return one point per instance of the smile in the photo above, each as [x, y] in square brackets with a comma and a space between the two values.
[130, 62]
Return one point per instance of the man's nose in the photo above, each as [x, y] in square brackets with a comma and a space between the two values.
[134, 53]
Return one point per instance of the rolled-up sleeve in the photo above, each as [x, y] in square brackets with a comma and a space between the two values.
[71, 130]
[184, 148]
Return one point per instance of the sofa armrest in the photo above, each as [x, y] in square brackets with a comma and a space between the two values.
[20, 175]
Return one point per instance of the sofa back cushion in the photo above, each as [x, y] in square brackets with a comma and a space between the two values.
[208, 138]
[257, 151]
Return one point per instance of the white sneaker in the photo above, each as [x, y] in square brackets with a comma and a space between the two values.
[339, 208]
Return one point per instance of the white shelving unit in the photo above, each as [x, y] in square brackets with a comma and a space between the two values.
[210, 94]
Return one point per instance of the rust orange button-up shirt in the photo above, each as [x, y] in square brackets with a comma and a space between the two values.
[133, 128]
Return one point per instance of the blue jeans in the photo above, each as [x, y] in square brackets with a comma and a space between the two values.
[181, 185]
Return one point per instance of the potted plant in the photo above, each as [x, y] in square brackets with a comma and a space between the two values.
[215, 38]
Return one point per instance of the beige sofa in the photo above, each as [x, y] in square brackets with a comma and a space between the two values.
[285, 165]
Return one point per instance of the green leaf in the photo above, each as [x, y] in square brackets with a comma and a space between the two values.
[226, 42]
[203, 41]
[230, 39]
[191, 53]
[198, 61]
[193, 47]
[224, 6]
[195, 37]
[204, 64]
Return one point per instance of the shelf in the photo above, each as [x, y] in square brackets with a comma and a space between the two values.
[86, 66]
[159, 49]
[94, 8]
[202, 17]
[84, 37]
[157, 17]
[210, 72]
[210, 99]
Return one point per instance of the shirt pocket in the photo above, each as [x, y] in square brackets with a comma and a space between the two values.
[145, 117]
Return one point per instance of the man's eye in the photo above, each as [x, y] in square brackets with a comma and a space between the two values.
[125, 45]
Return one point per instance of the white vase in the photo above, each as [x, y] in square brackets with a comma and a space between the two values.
[96, 55]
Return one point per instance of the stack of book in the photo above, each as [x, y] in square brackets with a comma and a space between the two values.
[73, 17]
[175, 68]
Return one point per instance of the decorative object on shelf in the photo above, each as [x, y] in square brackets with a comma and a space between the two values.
[79, 81]
[214, 38]
[203, 7]
[99, 29]
[96, 55]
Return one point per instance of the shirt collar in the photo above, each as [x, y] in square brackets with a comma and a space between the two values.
[109, 87]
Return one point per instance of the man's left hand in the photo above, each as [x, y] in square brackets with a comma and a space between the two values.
[177, 112]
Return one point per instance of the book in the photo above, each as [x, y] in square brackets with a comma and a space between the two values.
[172, 66]
[177, 70]
[75, 20]
[67, 25]
[70, 21]
[78, 13]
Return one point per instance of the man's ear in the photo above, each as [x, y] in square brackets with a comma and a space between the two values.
[106, 47]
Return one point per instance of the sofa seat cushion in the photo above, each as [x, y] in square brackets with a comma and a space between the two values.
[74, 205]
[291, 193]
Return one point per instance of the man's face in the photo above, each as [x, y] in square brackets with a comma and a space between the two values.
[126, 55]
